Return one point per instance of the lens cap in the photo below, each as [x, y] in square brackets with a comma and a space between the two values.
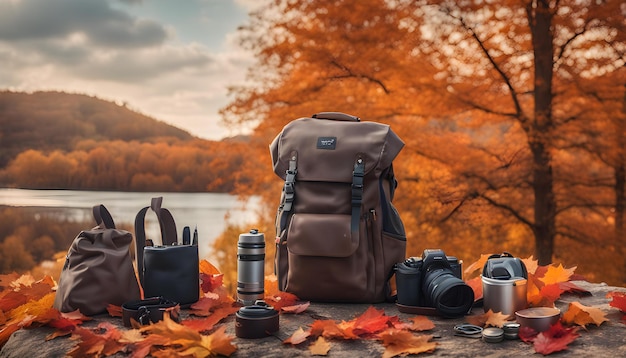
[256, 321]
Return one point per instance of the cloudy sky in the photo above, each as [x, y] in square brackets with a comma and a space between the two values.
[169, 59]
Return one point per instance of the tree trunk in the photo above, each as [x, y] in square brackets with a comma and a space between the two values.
[540, 22]
[620, 184]
[620, 175]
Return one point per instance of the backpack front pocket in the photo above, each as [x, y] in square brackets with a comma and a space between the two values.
[323, 256]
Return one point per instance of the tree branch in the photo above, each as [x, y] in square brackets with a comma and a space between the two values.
[354, 75]
[505, 78]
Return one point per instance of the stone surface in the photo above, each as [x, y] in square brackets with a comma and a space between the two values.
[607, 340]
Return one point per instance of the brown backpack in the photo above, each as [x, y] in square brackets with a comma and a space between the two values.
[338, 235]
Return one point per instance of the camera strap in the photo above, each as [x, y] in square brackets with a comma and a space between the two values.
[468, 330]
[148, 311]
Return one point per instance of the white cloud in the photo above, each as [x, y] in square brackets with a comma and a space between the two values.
[94, 48]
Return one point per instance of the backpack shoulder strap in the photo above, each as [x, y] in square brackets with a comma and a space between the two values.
[103, 217]
[166, 222]
[140, 240]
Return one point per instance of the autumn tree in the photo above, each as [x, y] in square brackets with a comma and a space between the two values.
[481, 92]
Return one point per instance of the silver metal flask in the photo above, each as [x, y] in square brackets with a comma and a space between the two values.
[250, 267]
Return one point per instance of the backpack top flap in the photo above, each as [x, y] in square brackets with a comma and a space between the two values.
[324, 146]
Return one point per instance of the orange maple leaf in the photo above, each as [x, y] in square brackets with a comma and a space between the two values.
[549, 294]
[299, 308]
[299, 336]
[320, 347]
[205, 306]
[7, 331]
[207, 268]
[211, 278]
[531, 265]
[618, 300]
[183, 340]
[23, 289]
[477, 286]
[557, 274]
[276, 298]
[327, 328]
[582, 315]
[207, 324]
[7, 279]
[547, 284]
[209, 283]
[489, 318]
[533, 291]
[217, 343]
[369, 322]
[98, 342]
[398, 342]
[573, 288]
[11, 300]
[68, 321]
[478, 265]
[421, 323]
[114, 311]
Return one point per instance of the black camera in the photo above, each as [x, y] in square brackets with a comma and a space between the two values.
[434, 281]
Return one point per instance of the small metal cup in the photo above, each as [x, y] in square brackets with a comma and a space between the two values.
[504, 296]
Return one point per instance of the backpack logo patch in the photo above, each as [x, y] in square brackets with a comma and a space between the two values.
[326, 142]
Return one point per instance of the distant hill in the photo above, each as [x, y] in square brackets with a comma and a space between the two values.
[55, 120]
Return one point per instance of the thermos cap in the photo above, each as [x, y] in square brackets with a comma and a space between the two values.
[252, 237]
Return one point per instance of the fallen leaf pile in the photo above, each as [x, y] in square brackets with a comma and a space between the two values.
[26, 303]
[395, 335]
[553, 340]
[545, 286]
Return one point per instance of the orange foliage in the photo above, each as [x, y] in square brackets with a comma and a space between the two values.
[190, 166]
[493, 161]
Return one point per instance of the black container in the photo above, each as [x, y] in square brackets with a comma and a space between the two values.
[256, 321]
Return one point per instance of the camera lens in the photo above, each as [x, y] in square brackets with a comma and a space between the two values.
[250, 267]
[448, 294]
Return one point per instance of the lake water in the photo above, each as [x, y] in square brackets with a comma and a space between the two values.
[209, 212]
